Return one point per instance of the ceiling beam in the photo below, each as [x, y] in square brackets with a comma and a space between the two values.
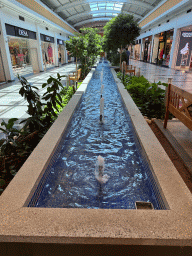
[79, 15]
[91, 20]
[81, 3]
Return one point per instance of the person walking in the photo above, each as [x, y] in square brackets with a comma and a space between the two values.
[128, 54]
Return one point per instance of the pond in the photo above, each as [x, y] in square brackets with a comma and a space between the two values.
[70, 181]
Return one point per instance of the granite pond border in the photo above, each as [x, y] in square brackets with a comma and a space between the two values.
[22, 224]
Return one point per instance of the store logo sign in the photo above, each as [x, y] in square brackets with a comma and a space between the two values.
[47, 38]
[23, 32]
[187, 34]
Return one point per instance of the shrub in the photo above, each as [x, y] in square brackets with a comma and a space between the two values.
[148, 97]
[18, 144]
[114, 58]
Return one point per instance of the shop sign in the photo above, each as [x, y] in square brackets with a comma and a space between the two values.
[184, 52]
[59, 41]
[47, 39]
[186, 34]
[23, 32]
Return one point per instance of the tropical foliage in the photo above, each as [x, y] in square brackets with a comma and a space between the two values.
[118, 33]
[149, 97]
[85, 46]
[19, 143]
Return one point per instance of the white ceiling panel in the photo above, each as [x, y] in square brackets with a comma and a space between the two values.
[64, 1]
[71, 10]
[79, 9]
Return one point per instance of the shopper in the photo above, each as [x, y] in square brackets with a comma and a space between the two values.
[128, 54]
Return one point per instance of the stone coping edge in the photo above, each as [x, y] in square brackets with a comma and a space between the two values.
[172, 227]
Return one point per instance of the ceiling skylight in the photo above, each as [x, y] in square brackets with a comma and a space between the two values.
[102, 6]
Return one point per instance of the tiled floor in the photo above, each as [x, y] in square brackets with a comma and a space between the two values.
[157, 73]
[178, 134]
[12, 105]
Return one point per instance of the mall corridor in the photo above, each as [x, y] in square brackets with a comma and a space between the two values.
[12, 105]
[154, 73]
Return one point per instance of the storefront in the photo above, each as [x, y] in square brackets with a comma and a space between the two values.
[48, 53]
[162, 48]
[146, 49]
[69, 57]
[184, 56]
[130, 48]
[23, 50]
[137, 49]
[61, 52]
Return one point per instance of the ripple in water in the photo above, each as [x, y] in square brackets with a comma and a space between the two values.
[73, 181]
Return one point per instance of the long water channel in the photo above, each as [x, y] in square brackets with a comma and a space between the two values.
[70, 181]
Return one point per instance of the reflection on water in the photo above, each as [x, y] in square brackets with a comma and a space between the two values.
[72, 182]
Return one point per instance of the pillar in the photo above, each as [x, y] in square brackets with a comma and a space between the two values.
[39, 51]
[174, 47]
[6, 57]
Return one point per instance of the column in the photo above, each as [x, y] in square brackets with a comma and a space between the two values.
[39, 51]
[141, 48]
[151, 53]
[56, 50]
[174, 47]
[134, 52]
[6, 57]
[66, 55]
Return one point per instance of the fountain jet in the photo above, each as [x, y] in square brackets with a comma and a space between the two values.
[101, 108]
[99, 171]
[102, 76]
[102, 87]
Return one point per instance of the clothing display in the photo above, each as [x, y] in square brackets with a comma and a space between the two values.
[48, 54]
[50, 51]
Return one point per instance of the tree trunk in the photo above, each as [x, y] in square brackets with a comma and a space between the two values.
[120, 57]
[76, 66]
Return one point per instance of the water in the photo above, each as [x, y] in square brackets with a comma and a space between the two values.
[99, 171]
[101, 109]
[70, 181]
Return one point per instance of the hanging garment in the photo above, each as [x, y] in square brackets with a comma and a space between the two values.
[50, 52]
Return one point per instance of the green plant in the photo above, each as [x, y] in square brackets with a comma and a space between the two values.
[52, 97]
[149, 97]
[18, 144]
[66, 95]
[120, 32]
[114, 57]
[8, 148]
[41, 114]
[35, 107]
[86, 46]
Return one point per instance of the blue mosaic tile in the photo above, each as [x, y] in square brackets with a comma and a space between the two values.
[69, 180]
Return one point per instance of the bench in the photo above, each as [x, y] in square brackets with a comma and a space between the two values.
[75, 76]
[128, 68]
[179, 103]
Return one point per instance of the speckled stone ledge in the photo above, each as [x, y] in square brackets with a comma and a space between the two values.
[97, 226]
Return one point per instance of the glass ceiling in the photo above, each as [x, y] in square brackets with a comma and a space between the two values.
[80, 13]
[105, 6]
